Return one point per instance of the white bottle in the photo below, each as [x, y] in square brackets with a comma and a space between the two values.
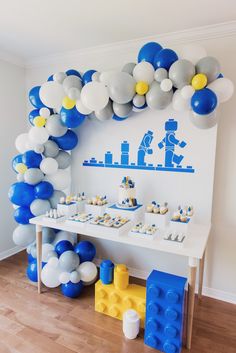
[131, 324]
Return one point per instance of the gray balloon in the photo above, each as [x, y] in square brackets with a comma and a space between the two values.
[39, 207]
[209, 66]
[121, 87]
[158, 99]
[33, 176]
[129, 68]
[160, 74]
[48, 235]
[181, 73]
[122, 110]
[24, 234]
[33, 251]
[55, 127]
[51, 149]
[63, 159]
[54, 200]
[71, 81]
[69, 260]
[39, 149]
[106, 113]
[204, 122]
[139, 101]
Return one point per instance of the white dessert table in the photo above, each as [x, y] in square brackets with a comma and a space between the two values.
[193, 248]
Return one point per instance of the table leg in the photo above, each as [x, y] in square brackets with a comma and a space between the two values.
[201, 272]
[39, 254]
[191, 297]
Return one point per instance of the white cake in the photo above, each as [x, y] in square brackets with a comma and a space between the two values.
[127, 192]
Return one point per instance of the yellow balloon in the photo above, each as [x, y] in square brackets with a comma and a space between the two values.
[39, 121]
[68, 103]
[21, 168]
[199, 81]
[141, 88]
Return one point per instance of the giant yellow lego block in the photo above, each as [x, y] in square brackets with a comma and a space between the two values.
[115, 298]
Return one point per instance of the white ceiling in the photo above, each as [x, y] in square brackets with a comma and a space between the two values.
[37, 28]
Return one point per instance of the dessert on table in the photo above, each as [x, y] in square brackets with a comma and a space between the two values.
[97, 200]
[182, 214]
[127, 193]
[144, 228]
[157, 208]
[108, 221]
[55, 215]
[81, 217]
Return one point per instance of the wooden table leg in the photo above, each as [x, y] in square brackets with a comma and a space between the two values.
[39, 254]
[191, 297]
[201, 273]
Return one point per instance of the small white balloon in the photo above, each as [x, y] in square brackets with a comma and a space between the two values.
[45, 112]
[75, 277]
[82, 109]
[88, 271]
[38, 135]
[60, 180]
[39, 149]
[50, 275]
[64, 277]
[49, 166]
[166, 85]
[51, 94]
[59, 77]
[187, 91]
[94, 95]
[223, 88]
[144, 71]
[20, 142]
[74, 93]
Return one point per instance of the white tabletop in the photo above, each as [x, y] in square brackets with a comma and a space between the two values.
[194, 244]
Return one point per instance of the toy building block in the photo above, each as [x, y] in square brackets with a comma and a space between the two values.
[164, 312]
[116, 298]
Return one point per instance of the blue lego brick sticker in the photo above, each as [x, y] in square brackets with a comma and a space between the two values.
[172, 161]
[164, 312]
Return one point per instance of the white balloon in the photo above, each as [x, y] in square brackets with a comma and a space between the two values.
[53, 262]
[51, 94]
[94, 95]
[192, 52]
[60, 180]
[88, 271]
[166, 85]
[106, 77]
[20, 142]
[82, 109]
[38, 135]
[96, 76]
[45, 112]
[74, 93]
[46, 249]
[39, 149]
[144, 71]
[179, 103]
[63, 235]
[75, 277]
[50, 274]
[49, 166]
[72, 81]
[223, 88]
[187, 91]
[64, 277]
[59, 77]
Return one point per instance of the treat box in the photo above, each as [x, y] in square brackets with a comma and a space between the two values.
[173, 242]
[55, 220]
[161, 221]
[179, 226]
[133, 214]
[95, 210]
[67, 210]
[142, 236]
[80, 206]
[108, 230]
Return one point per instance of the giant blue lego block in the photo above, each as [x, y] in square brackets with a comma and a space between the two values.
[164, 312]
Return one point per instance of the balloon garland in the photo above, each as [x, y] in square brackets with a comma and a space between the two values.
[190, 82]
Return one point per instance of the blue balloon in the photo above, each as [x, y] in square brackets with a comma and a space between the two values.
[21, 194]
[148, 52]
[66, 142]
[140, 108]
[71, 117]
[30, 258]
[62, 246]
[117, 118]
[33, 115]
[34, 97]
[220, 75]
[32, 159]
[44, 190]
[86, 251]
[73, 72]
[204, 101]
[32, 272]
[22, 215]
[17, 159]
[164, 59]
[87, 76]
[72, 290]
[50, 78]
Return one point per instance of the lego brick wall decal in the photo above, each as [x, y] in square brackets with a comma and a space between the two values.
[170, 142]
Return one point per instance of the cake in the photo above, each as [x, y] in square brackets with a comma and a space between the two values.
[127, 193]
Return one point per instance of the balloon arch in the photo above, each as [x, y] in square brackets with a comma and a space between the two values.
[191, 81]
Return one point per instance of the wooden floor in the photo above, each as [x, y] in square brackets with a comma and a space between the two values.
[32, 323]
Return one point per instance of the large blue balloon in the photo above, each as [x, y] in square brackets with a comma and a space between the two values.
[43, 190]
[72, 290]
[204, 101]
[86, 251]
[22, 215]
[34, 97]
[68, 141]
[32, 159]
[17, 159]
[30, 258]
[33, 115]
[73, 72]
[148, 52]
[21, 194]
[32, 272]
[62, 246]
[87, 76]
[71, 117]
[165, 58]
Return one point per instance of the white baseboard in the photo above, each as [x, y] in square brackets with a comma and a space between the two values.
[9, 252]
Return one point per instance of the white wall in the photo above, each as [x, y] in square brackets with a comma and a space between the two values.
[13, 122]
[221, 260]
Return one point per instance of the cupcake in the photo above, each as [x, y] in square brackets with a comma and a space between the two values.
[164, 209]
